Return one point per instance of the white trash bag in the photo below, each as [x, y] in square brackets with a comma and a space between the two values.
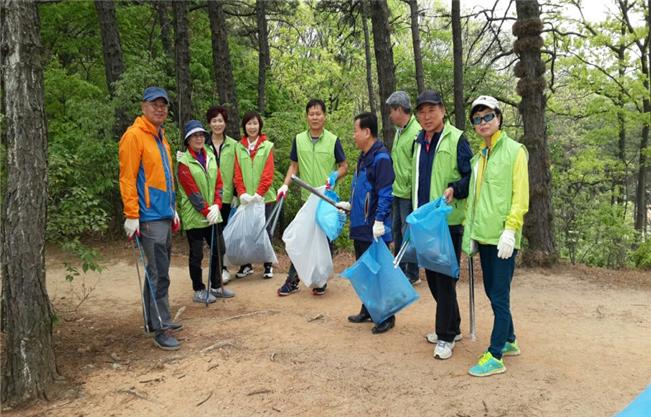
[244, 239]
[307, 246]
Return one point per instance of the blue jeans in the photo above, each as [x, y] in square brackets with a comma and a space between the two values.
[401, 208]
[498, 274]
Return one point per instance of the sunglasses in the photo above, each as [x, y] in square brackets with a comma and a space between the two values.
[486, 118]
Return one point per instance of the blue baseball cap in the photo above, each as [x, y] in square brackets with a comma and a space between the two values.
[153, 93]
[190, 128]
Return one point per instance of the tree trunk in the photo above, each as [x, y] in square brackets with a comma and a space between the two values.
[538, 224]
[622, 191]
[641, 191]
[28, 368]
[263, 52]
[415, 40]
[113, 63]
[367, 54]
[384, 62]
[163, 20]
[223, 70]
[459, 102]
[182, 58]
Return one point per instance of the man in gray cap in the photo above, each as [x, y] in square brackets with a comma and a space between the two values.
[407, 129]
[147, 189]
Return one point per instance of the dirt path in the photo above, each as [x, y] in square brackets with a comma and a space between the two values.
[585, 337]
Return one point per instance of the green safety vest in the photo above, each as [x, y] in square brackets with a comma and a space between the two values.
[487, 216]
[444, 171]
[205, 180]
[315, 160]
[226, 165]
[252, 168]
[401, 154]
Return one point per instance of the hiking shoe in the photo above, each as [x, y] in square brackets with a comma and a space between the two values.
[433, 337]
[221, 293]
[226, 276]
[487, 365]
[200, 297]
[245, 270]
[172, 326]
[443, 349]
[319, 291]
[166, 341]
[268, 272]
[288, 288]
[511, 349]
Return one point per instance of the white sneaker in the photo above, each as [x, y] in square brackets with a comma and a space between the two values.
[433, 337]
[200, 297]
[226, 276]
[244, 271]
[443, 350]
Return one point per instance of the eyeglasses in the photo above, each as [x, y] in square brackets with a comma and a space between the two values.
[486, 118]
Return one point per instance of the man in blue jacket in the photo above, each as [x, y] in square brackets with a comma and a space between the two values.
[372, 188]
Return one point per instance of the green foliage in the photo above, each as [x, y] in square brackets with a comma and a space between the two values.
[642, 256]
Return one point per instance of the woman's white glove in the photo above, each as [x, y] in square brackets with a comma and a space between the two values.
[213, 214]
[282, 191]
[257, 198]
[131, 227]
[506, 244]
[343, 205]
[179, 155]
[245, 199]
[378, 229]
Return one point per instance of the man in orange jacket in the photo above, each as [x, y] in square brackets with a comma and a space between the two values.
[147, 188]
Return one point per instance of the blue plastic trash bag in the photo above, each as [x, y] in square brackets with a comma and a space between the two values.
[383, 289]
[332, 179]
[329, 218]
[430, 235]
[640, 407]
[409, 256]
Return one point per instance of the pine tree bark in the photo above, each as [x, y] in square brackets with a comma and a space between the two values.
[182, 59]
[28, 365]
[415, 40]
[264, 60]
[162, 10]
[113, 62]
[457, 52]
[384, 63]
[367, 56]
[223, 69]
[538, 223]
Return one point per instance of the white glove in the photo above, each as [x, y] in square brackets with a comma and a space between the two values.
[213, 214]
[132, 226]
[343, 205]
[506, 244]
[234, 201]
[179, 155]
[176, 223]
[282, 191]
[245, 199]
[378, 229]
[257, 198]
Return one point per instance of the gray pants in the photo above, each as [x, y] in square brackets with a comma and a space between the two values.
[156, 239]
[401, 208]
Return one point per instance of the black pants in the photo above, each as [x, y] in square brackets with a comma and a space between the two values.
[444, 291]
[196, 239]
[225, 212]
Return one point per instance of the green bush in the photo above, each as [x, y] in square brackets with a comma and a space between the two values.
[642, 256]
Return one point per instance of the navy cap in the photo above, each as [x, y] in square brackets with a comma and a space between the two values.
[428, 97]
[190, 128]
[153, 93]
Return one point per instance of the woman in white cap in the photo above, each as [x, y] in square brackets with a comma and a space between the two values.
[497, 202]
[200, 200]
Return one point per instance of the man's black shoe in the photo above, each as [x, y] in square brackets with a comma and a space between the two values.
[361, 317]
[385, 326]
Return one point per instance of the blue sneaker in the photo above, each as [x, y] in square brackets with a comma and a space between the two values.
[511, 349]
[487, 365]
[289, 287]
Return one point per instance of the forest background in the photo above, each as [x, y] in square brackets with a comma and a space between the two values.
[281, 54]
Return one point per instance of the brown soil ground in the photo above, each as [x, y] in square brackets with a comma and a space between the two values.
[585, 336]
